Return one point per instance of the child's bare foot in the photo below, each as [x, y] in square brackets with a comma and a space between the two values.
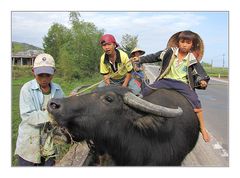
[205, 135]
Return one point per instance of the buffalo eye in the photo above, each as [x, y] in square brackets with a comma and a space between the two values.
[109, 99]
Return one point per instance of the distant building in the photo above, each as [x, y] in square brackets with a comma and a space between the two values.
[24, 58]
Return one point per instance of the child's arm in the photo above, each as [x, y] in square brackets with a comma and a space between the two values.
[150, 58]
[201, 78]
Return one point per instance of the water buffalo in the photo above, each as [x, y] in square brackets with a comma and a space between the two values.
[133, 131]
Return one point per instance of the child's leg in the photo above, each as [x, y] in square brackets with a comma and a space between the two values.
[191, 95]
[163, 83]
[203, 130]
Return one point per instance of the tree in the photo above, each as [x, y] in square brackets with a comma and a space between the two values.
[66, 64]
[85, 37]
[128, 43]
[57, 36]
[76, 49]
[74, 17]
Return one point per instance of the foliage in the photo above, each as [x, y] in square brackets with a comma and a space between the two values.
[76, 49]
[128, 43]
[74, 17]
[19, 71]
[56, 36]
[217, 71]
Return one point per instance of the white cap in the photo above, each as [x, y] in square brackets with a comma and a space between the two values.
[44, 64]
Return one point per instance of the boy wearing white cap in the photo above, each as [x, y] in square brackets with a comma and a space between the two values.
[34, 145]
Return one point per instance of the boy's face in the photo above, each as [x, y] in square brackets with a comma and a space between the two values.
[109, 48]
[185, 45]
[137, 54]
[44, 79]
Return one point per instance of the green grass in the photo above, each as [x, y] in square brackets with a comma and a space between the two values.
[22, 75]
[216, 71]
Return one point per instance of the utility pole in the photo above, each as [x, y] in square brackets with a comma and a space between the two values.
[223, 59]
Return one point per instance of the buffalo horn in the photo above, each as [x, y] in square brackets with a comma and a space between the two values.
[145, 106]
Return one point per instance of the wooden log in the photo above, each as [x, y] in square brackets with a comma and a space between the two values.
[76, 156]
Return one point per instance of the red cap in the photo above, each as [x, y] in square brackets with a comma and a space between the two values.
[108, 38]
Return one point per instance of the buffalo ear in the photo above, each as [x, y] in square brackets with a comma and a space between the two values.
[149, 123]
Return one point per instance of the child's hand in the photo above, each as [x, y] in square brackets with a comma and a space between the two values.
[203, 83]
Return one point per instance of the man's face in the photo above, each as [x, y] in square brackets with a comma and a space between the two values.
[44, 79]
[109, 48]
[185, 45]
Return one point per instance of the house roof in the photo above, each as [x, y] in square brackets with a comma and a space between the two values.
[27, 54]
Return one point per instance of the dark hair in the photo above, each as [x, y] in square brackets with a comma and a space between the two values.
[197, 47]
[188, 35]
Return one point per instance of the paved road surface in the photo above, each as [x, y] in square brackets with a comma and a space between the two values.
[215, 103]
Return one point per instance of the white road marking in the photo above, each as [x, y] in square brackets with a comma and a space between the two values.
[217, 146]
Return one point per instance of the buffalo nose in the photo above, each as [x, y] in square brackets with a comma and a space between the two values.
[54, 104]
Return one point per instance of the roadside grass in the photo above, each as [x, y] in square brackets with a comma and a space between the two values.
[217, 71]
[21, 76]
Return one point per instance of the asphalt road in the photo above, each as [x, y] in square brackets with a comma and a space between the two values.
[215, 104]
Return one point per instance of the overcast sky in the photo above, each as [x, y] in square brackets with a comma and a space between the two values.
[153, 28]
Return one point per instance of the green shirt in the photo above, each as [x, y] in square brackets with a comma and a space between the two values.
[178, 70]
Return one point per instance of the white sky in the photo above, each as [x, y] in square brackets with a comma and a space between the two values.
[153, 28]
[6, 7]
